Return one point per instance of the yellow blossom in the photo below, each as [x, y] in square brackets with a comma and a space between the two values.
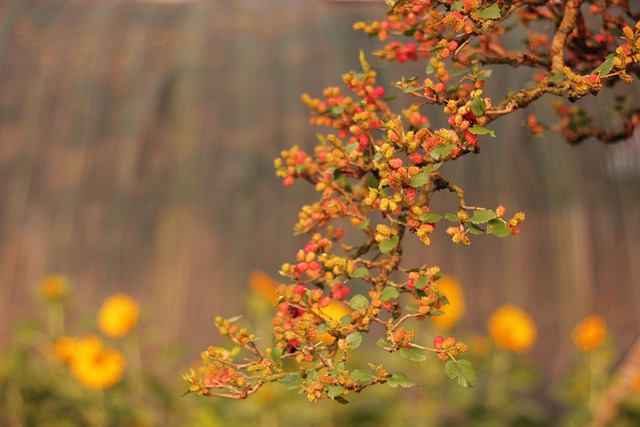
[453, 312]
[511, 328]
[264, 285]
[63, 349]
[53, 286]
[590, 333]
[93, 365]
[118, 315]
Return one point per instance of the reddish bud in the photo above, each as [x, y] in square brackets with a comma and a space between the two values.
[395, 163]
[302, 267]
[300, 157]
[437, 342]
[378, 92]
[339, 233]
[416, 157]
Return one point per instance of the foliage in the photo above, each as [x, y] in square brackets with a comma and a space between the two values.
[38, 385]
[377, 172]
[509, 390]
[51, 375]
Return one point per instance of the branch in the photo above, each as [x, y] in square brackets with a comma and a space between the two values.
[559, 42]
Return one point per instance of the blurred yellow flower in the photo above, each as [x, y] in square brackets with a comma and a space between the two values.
[332, 313]
[453, 312]
[511, 328]
[63, 349]
[590, 333]
[54, 286]
[118, 315]
[93, 365]
[264, 285]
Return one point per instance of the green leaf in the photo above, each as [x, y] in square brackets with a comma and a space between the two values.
[478, 106]
[336, 110]
[474, 229]
[235, 351]
[388, 244]
[361, 272]
[422, 178]
[412, 29]
[430, 69]
[462, 370]
[276, 354]
[413, 354]
[442, 151]
[432, 168]
[234, 319]
[430, 217]
[606, 66]
[354, 339]
[452, 217]
[389, 293]
[372, 181]
[419, 179]
[345, 320]
[384, 343]
[291, 381]
[480, 216]
[457, 6]
[556, 78]
[334, 391]
[338, 368]
[400, 379]
[482, 74]
[498, 228]
[458, 72]
[411, 89]
[349, 148]
[364, 224]
[480, 130]
[421, 282]
[324, 328]
[360, 375]
[491, 12]
[358, 302]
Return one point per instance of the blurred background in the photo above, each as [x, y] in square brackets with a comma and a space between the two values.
[137, 141]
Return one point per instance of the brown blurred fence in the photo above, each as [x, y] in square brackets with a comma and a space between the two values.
[136, 148]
